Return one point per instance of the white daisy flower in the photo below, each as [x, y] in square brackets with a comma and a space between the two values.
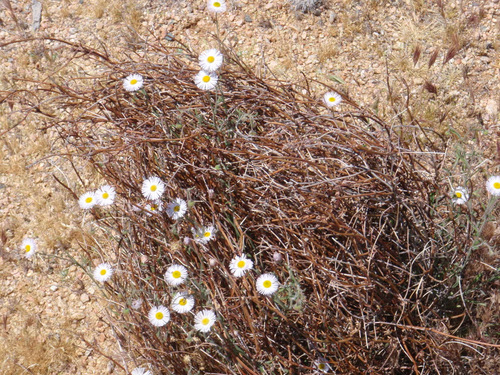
[332, 99]
[206, 81]
[153, 188]
[203, 235]
[493, 185]
[176, 274]
[182, 302]
[204, 320]
[460, 195]
[159, 316]
[239, 265]
[217, 6]
[29, 247]
[103, 272]
[211, 60]
[136, 304]
[87, 200]
[153, 207]
[267, 284]
[322, 365]
[133, 82]
[177, 208]
[141, 371]
[105, 195]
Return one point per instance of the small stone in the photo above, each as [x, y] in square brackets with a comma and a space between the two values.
[248, 18]
[398, 46]
[237, 4]
[277, 257]
[84, 298]
[78, 316]
[53, 288]
[332, 17]
[492, 109]
[36, 9]
[266, 24]
[136, 304]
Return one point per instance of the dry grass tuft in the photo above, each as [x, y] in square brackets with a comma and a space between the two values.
[27, 353]
[348, 202]
[326, 52]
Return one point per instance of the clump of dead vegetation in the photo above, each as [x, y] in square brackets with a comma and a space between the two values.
[339, 205]
[26, 353]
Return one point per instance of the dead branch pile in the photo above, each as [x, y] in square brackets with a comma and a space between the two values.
[335, 203]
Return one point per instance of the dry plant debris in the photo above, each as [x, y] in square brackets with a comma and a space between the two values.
[343, 198]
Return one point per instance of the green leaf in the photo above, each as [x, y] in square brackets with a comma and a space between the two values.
[337, 79]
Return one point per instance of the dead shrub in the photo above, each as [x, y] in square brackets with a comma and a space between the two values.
[367, 270]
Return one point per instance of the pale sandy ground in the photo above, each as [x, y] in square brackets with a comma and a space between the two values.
[46, 303]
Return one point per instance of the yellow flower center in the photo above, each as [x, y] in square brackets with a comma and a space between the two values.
[332, 99]
[88, 200]
[27, 248]
[207, 234]
[133, 81]
[267, 284]
[183, 302]
[176, 274]
[153, 207]
[241, 264]
[458, 194]
[103, 272]
[159, 315]
[153, 187]
[216, 4]
[321, 366]
[205, 321]
[105, 196]
[177, 208]
[496, 185]
[206, 79]
[211, 59]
